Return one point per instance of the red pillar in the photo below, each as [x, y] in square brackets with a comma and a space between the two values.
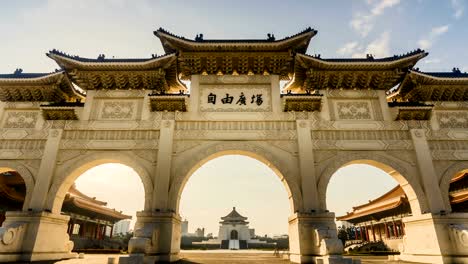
[355, 233]
[112, 230]
[373, 232]
[82, 232]
[387, 234]
[360, 233]
[96, 231]
[380, 231]
[366, 238]
[395, 229]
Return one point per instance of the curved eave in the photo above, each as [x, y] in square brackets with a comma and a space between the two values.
[427, 78]
[10, 194]
[77, 193]
[307, 61]
[417, 80]
[172, 43]
[369, 211]
[96, 209]
[459, 197]
[47, 79]
[69, 63]
[55, 81]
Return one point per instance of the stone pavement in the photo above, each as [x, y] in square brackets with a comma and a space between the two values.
[217, 256]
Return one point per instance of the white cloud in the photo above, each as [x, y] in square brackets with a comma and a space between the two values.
[432, 61]
[458, 8]
[436, 32]
[348, 48]
[363, 23]
[379, 47]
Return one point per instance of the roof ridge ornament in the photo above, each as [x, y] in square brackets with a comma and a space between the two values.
[199, 37]
[18, 71]
[271, 37]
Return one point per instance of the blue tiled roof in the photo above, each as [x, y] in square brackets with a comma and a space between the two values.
[370, 58]
[18, 74]
[270, 38]
[102, 58]
[455, 73]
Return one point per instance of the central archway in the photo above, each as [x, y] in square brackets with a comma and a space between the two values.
[208, 164]
[286, 172]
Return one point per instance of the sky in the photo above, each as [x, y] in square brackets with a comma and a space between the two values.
[124, 29]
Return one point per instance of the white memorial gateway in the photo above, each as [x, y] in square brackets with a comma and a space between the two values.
[331, 113]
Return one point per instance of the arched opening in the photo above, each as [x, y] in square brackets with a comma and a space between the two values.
[241, 179]
[101, 196]
[370, 200]
[13, 192]
[458, 192]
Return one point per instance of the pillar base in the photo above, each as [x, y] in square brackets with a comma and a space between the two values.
[436, 238]
[35, 236]
[157, 237]
[313, 239]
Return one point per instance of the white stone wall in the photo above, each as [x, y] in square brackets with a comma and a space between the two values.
[303, 149]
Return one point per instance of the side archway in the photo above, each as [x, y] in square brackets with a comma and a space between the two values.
[395, 169]
[189, 162]
[447, 176]
[68, 172]
[25, 173]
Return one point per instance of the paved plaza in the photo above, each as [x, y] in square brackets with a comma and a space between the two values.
[218, 256]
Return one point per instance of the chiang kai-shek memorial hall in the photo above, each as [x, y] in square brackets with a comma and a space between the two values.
[165, 116]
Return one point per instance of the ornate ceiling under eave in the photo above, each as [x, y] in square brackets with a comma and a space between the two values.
[314, 73]
[40, 87]
[441, 86]
[233, 57]
[158, 73]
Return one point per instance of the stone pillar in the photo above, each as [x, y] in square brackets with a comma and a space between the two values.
[433, 238]
[384, 105]
[163, 165]
[307, 167]
[157, 237]
[313, 239]
[275, 95]
[427, 172]
[35, 236]
[86, 113]
[46, 170]
[194, 100]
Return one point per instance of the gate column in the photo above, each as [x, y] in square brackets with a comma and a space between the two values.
[435, 227]
[38, 234]
[157, 232]
[313, 239]
[307, 167]
[312, 232]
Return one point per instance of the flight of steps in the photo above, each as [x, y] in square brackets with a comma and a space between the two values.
[234, 244]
